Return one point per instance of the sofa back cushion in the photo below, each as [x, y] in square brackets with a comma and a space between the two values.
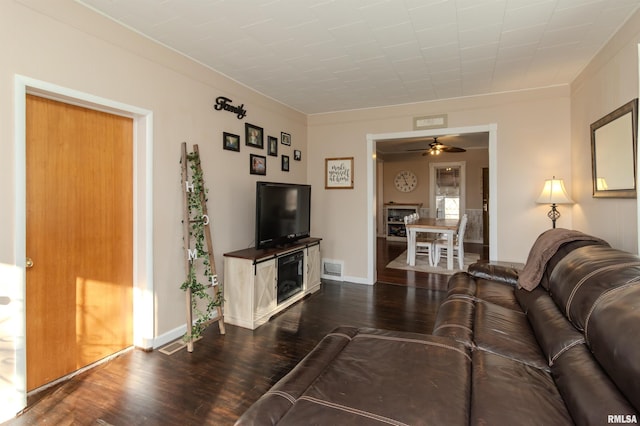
[612, 332]
[598, 290]
[582, 276]
[562, 251]
[554, 333]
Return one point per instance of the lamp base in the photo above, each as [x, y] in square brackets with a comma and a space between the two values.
[553, 214]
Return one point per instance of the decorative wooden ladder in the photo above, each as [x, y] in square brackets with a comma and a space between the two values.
[195, 212]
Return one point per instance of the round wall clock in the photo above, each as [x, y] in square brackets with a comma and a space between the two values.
[405, 181]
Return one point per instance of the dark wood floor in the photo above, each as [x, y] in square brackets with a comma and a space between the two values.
[224, 375]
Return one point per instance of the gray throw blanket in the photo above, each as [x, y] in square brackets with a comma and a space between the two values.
[543, 249]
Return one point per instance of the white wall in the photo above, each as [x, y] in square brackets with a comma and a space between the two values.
[533, 134]
[67, 45]
[610, 81]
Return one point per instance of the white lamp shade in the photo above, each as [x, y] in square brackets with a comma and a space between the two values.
[554, 193]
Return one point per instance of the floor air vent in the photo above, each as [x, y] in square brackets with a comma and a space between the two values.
[332, 269]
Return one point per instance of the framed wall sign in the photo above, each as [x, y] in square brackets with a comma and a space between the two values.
[338, 173]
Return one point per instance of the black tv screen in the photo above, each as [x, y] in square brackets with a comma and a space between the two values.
[283, 213]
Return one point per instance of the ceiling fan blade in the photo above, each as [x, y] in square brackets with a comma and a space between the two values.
[453, 149]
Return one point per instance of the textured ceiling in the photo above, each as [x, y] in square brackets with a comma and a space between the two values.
[329, 55]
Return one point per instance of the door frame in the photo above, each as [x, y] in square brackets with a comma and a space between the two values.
[143, 301]
[371, 140]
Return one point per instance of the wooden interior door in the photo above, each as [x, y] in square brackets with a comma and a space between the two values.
[79, 301]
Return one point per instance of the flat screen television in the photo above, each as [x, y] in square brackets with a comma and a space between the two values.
[283, 213]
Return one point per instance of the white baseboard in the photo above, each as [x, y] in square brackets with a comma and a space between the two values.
[169, 336]
[357, 280]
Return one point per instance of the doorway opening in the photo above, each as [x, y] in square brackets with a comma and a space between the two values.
[373, 168]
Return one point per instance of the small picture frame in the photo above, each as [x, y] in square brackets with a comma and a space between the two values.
[254, 136]
[230, 142]
[272, 146]
[338, 173]
[285, 163]
[257, 164]
[297, 155]
[285, 138]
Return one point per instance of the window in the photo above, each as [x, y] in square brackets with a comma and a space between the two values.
[447, 190]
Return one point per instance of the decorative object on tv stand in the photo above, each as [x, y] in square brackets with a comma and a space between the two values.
[254, 136]
[199, 258]
[338, 173]
[613, 153]
[554, 193]
[230, 142]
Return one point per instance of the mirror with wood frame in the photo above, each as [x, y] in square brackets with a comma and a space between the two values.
[613, 152]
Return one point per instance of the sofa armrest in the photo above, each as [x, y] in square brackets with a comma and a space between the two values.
[494, 272]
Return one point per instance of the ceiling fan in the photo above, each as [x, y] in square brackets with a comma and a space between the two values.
[436, 148]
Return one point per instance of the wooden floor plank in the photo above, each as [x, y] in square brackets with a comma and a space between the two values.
[224, 375]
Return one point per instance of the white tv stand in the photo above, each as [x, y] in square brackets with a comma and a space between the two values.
[251, 281]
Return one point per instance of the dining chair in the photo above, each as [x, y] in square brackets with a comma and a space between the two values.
[423, 245]
[440, 245]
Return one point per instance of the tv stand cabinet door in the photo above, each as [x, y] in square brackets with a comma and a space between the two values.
[313, 268]
[265, 292]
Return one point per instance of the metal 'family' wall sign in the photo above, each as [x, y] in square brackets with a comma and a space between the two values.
[224, 104]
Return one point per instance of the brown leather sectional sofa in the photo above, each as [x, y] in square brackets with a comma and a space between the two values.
[566, 352]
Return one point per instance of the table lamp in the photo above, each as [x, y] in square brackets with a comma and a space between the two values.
[554, 193]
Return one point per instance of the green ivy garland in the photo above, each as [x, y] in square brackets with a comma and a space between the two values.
[195, 200]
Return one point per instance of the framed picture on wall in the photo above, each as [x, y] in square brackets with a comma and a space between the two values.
[230, 142]
[297, 155]
[272, 146]
[285, 163]
[257, 164]
[254, 136]
[286, 138]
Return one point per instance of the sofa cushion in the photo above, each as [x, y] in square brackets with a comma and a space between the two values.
[544, 249]
[364, 376]
[553, 331]
[491, 271]
[466, 285]
[588, 392]
[507, 333]
[508, 392]
[562, 251]
[455, 320]
[609, 332]
[584, 274]
[497, 293]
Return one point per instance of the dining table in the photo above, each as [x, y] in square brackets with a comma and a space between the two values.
[430, 225]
